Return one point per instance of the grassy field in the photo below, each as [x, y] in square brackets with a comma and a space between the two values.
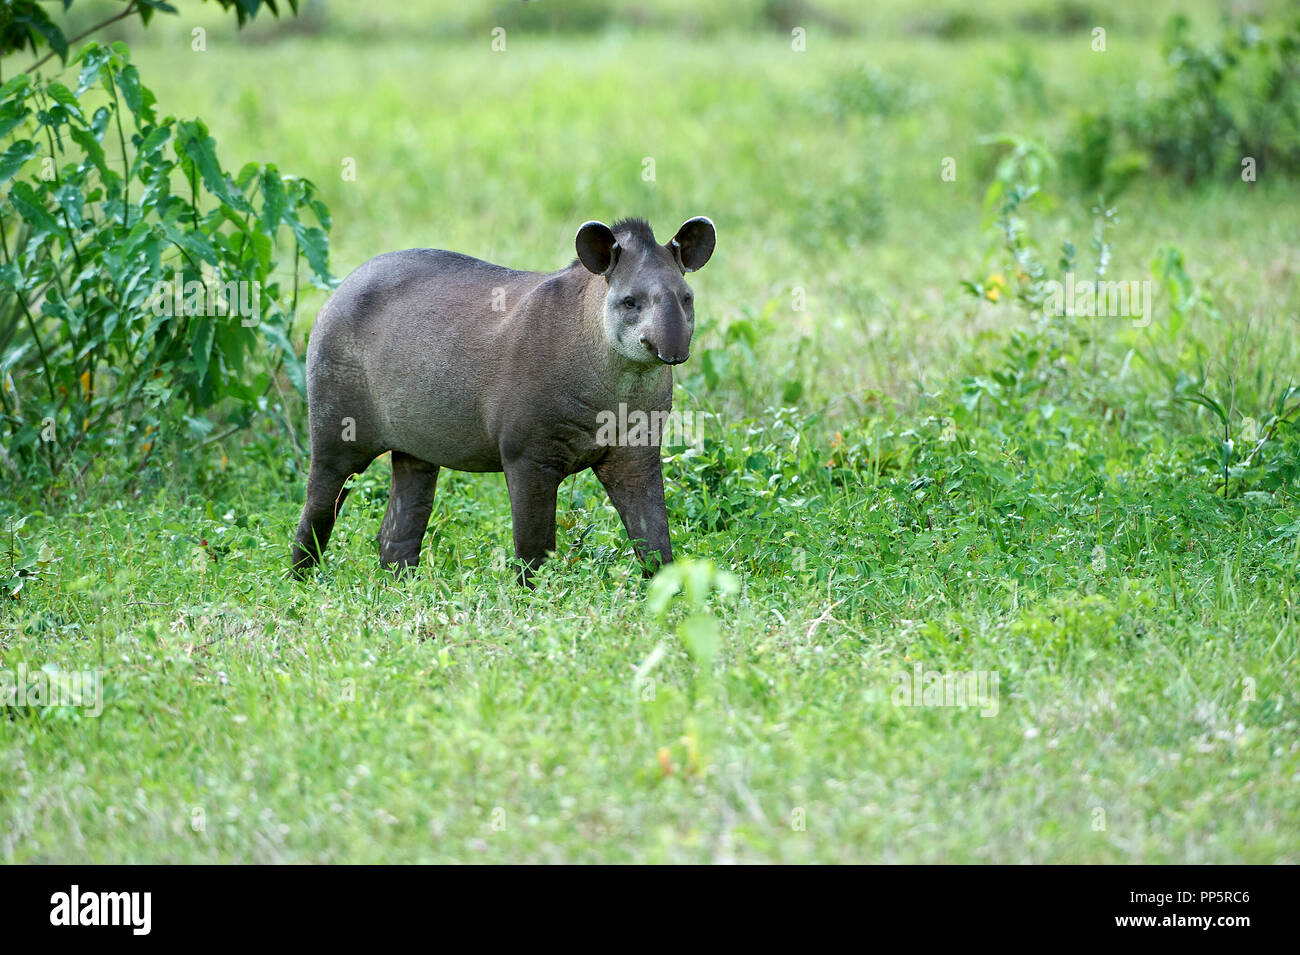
[902, 476]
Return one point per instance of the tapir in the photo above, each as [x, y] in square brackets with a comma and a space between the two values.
[447, 361]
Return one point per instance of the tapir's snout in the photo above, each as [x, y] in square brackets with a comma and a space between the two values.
[669, 356]
[667, 335]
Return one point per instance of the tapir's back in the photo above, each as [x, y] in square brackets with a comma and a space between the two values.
[406, 347]
[423, 286]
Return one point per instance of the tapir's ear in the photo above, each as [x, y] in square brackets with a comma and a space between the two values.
[693, 244]
[597, 247]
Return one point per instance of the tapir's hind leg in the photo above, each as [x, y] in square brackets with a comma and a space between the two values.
[410, 500]
[325, 495]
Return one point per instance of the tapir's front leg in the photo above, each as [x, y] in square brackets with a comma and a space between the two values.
[634, 480]
[533, 491]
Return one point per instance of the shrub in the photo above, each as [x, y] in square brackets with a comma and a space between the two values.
[122, 244]
[1235, 99]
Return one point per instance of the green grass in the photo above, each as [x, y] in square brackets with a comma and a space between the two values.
[1070, 537]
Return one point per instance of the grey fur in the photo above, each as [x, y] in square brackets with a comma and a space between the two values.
[449, 361]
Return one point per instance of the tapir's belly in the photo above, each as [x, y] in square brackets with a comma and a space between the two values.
[447, 449]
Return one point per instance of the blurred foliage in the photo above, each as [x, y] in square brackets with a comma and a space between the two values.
[1235, 98]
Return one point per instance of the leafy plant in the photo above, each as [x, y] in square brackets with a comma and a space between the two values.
[1252, 410]
[142, 282]
[1229, 102]
[19, 562]
[1089, 156]
[1242, 445]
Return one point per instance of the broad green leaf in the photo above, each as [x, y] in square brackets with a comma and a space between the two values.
[128, 82]
[11, 114]
[92, 57]
[196, 243]
[13, 158]
[70, 201]
[32, 208]
[15, 83]
[273, 201]
[193, 142]
[63, 96]
[315, 247]
[201, 344]
[293, 364]
[56, 307]
[92, 149]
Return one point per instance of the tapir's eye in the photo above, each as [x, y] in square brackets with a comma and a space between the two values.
[629, 302]
[688, 298]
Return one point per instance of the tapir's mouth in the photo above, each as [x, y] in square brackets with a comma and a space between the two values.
[672, 361]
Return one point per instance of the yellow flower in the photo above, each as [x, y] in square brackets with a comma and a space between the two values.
[993, 286]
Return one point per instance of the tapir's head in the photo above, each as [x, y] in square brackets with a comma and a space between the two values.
[649, 308]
